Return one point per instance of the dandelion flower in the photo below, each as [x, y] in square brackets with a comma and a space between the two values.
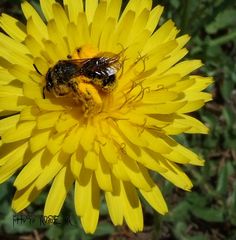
[94, 141]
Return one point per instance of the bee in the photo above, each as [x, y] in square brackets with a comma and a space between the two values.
[99, 71]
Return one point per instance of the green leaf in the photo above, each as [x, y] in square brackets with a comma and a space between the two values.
[223, 19]
[104, 229]
[54, 232]
[179, 213]
[209, 215]
[18, 223]
[72, 233]
[196, 200]
[198, 237]
[222, 180]
[227, 88]
[233, 200]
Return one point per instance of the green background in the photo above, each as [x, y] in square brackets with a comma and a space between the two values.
[209, 211]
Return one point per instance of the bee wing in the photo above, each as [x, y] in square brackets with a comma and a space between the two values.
[109, 57]
[79, 62]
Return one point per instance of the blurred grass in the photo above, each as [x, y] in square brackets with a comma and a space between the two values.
[209, 211]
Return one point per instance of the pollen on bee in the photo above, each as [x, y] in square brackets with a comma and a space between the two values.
[90, 98]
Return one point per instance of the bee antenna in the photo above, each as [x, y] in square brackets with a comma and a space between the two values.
[37, 70]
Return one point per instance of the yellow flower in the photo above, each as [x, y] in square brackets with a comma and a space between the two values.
[94, 141]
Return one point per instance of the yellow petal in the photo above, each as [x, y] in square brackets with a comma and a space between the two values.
[32, 91]
[90, 8]
[58, 191]
[65, 122]
[52, 51]
[24, 197]
[74, 39]
[8, 151]
[193, 96]
[132, 207]
[121, 36]
[29, 113]
[39, 140]
[163, 82]
[154, 18]
[150, 160]
[13, 27]
[113, 10]
[139, 25]
[145, 121]
[108, 29]
[82, 23]
[167, 108]
[201, 82]
[21, 131]
[46, 104]
[168, 63]
[30, 172]
[185, 67]
[82, 196]
[160, 36]
[60, 17]
[156, 143]
[21, 73]
[12, 164]
[73, 8]
[8, 122]
[47, 120]
[76, 163]
[89, 219]
[33, 45]
[194, 126]
[88, 137]
[14, 52]
[191, 106]
[181, 154]
[46, 6]
[175, 175]
[98, 22]
[12, 45]
[137, 6]
[136, 176]
[41, 64]
[155, 199]
[30, 13]
[34, 30]
[13, 103]
[5, 76]
[103, 175]
[132, 133]
[119, 171]
[91, 160]
[72, 141]
[55, 164]
[114, 203]
[109, 150]
[55, 142]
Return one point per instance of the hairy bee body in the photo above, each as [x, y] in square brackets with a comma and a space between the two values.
[100, 71]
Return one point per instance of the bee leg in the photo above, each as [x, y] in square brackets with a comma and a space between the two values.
[44, 92]
[90, 98]
[73, 85]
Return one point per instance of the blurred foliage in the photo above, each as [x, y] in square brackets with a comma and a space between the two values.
[209, 211]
